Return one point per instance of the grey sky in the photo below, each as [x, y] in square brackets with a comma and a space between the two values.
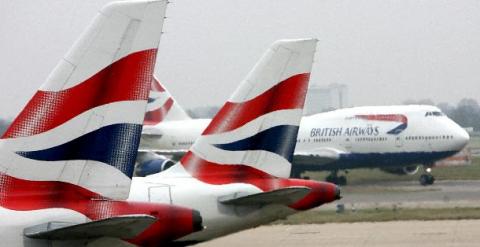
[386, 51]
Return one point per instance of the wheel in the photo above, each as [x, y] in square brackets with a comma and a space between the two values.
[332, 179]
[430, 179]
[296, 173]
[342, 180]
[424, 180]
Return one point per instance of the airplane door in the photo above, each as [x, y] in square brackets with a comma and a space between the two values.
[348, 143]
[160, 193]
[399, 141]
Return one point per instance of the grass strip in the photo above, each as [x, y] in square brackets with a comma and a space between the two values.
[381, 215]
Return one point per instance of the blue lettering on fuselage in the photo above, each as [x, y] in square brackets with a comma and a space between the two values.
[349, 131]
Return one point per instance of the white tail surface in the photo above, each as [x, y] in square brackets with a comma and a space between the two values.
[80, 131]
[162, 107]
[254, 133]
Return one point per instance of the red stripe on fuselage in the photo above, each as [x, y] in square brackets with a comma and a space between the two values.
[219, 174]
[288, 94]
[127, 79]
[385, 117]
[156, 116]
[25, 195]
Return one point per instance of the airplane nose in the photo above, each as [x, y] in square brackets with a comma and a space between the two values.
[461, 138]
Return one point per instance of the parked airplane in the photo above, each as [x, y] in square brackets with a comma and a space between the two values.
[393, 138]
[236, 172]
[67, 160]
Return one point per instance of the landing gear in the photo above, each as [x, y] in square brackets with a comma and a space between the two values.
[427, 178]
[334, 178]
[296, 173]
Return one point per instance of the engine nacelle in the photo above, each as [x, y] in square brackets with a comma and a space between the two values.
[406, 170]
[151, 163]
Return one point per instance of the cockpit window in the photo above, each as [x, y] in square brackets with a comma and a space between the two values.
[433, 114]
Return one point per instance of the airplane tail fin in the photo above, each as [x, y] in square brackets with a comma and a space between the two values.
[162, 106]
[80, 132]
[255, 132]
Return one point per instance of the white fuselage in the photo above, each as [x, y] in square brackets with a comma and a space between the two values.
[14, 223]
[339, 129]
[177, 187]
[427, 136]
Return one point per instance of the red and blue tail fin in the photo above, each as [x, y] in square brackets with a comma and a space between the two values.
[255, 132]
[162, 106]
[81, 130]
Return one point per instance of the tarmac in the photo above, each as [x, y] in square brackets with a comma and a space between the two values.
[395, 234]
[443, 194]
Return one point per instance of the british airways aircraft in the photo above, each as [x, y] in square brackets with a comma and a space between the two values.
[236, 172]
[396, 139]
[393, 138]
[66, 162]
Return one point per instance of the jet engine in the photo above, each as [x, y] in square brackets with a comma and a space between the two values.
[150, 163]
[406, 170]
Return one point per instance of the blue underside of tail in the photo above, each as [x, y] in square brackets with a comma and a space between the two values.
[279, 139]
[115, 145]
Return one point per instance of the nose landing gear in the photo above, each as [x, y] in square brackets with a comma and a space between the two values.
[427, 178]
[334, 178]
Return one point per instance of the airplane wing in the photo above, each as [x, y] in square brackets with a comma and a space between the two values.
[285, 196]
[317, 156]
[122, 227]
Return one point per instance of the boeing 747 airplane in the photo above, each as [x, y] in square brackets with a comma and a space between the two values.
[396, 139]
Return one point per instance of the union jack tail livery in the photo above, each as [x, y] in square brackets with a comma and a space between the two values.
[162, 106]
[80, 131]
[254, 133]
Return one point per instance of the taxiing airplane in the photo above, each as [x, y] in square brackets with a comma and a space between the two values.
[67, 160]
[236, 172]
[395, 139]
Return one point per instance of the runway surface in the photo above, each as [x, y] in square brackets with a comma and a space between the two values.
[396, 233]
[410, 194]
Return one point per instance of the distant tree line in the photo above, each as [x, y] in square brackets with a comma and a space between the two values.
[466, 113]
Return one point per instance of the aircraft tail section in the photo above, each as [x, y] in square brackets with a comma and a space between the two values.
[254, 133]
[162, 106]
[80, 132]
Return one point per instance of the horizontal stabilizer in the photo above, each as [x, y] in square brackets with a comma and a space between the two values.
[285, 196]
[122, 227]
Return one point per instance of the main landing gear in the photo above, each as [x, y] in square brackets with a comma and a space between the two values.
[334, 178]
[427, 178]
